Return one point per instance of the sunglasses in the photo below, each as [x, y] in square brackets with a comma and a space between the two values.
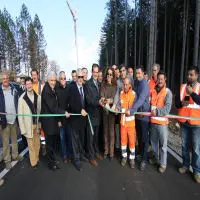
[80, 76]
[108, 74]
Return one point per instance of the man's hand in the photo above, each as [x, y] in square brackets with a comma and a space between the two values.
[153, 113]
[101, 102]
[185, 103]
[83, 113]
[59, 124]
[113, 107]
[67, 114]
[189, 90]
[127, 112]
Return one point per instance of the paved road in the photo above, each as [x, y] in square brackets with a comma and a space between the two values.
[109, 181]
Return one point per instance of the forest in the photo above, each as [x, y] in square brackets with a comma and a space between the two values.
[22, 43]
[152, 31]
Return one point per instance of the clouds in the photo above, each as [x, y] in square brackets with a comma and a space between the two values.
[87, 52]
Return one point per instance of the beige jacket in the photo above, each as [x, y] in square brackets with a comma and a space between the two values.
[26, 123]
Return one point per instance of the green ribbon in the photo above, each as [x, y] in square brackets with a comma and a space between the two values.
[51, 115]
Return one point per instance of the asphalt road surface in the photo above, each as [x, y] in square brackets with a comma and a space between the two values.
[108, 181]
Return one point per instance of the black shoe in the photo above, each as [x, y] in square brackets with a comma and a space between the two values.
[53, 168]
[35, 167]
[143, 166]
[78, 166]
[84, 159]
[111, 158]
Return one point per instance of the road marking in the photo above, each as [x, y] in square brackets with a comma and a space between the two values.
[13, 163]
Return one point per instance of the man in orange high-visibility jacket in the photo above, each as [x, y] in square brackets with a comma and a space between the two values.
[161, 102]
[128, 133]
[153, 79]
[188, 103]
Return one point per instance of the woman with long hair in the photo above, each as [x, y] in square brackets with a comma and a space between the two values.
[108, 90]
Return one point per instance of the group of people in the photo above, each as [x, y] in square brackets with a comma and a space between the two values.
[116, 102]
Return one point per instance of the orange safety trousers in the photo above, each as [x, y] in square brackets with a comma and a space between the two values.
[128, 135]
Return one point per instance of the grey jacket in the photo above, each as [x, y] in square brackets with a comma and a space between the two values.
[165, 110]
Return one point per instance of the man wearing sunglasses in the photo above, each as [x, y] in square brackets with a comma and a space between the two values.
[76, 103]
[65, 137]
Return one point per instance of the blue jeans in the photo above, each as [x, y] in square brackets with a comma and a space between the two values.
[159, 136]
[65, 141]
[191, 139]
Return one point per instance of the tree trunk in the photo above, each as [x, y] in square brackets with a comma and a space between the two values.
[155, 32]
[196, 33]
[126, 39]
[169, 49]
[185, 19]
[135, 52]
[140, 43]
[116, 43]
[165, 34]
[187, 53]
[151, 37]
[172, 86]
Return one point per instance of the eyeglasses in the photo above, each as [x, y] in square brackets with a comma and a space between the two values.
[62, 79]
[123, 70]
[109, 74]
[80, 77]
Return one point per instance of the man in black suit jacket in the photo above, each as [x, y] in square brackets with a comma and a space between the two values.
[77, 104]
[94, 110]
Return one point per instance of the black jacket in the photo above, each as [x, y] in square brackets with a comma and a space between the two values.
[62, 94]
[50, 106]
[75, 106]
[92, 99]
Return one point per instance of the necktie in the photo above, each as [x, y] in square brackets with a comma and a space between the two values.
[96, 84]
[82, 97]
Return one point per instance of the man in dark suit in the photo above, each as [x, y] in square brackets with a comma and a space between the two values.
[93, 107]
[76, 104]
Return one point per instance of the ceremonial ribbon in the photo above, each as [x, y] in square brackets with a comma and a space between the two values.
[51, 115]
[149, 114]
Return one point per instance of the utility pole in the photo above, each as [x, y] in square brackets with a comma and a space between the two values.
[126, 39]
[75, 32]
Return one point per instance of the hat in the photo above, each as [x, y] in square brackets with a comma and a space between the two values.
[22, 76]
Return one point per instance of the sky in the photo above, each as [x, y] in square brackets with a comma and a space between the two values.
[59, 29]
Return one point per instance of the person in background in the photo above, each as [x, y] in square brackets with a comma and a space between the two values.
[50, 124]
[117, 73]
[146, 76]
[9, 96]
[77, 104]
[130, 71]
[65, 137]
[30, 103]
[127, 124]
[141, 104]
[100, 76]
[161, 102]
[22, 82]
[73, 76]
[92, 93]
[38, 87]
[188, 104]
[1, 182]
[85, 74]
[153, 78]
[108, 91]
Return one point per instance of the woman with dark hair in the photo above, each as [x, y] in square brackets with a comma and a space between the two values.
[108, 90]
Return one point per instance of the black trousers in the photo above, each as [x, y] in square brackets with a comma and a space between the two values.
[77, 147]
[51, 141]
[142, 131]
[93, 142]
